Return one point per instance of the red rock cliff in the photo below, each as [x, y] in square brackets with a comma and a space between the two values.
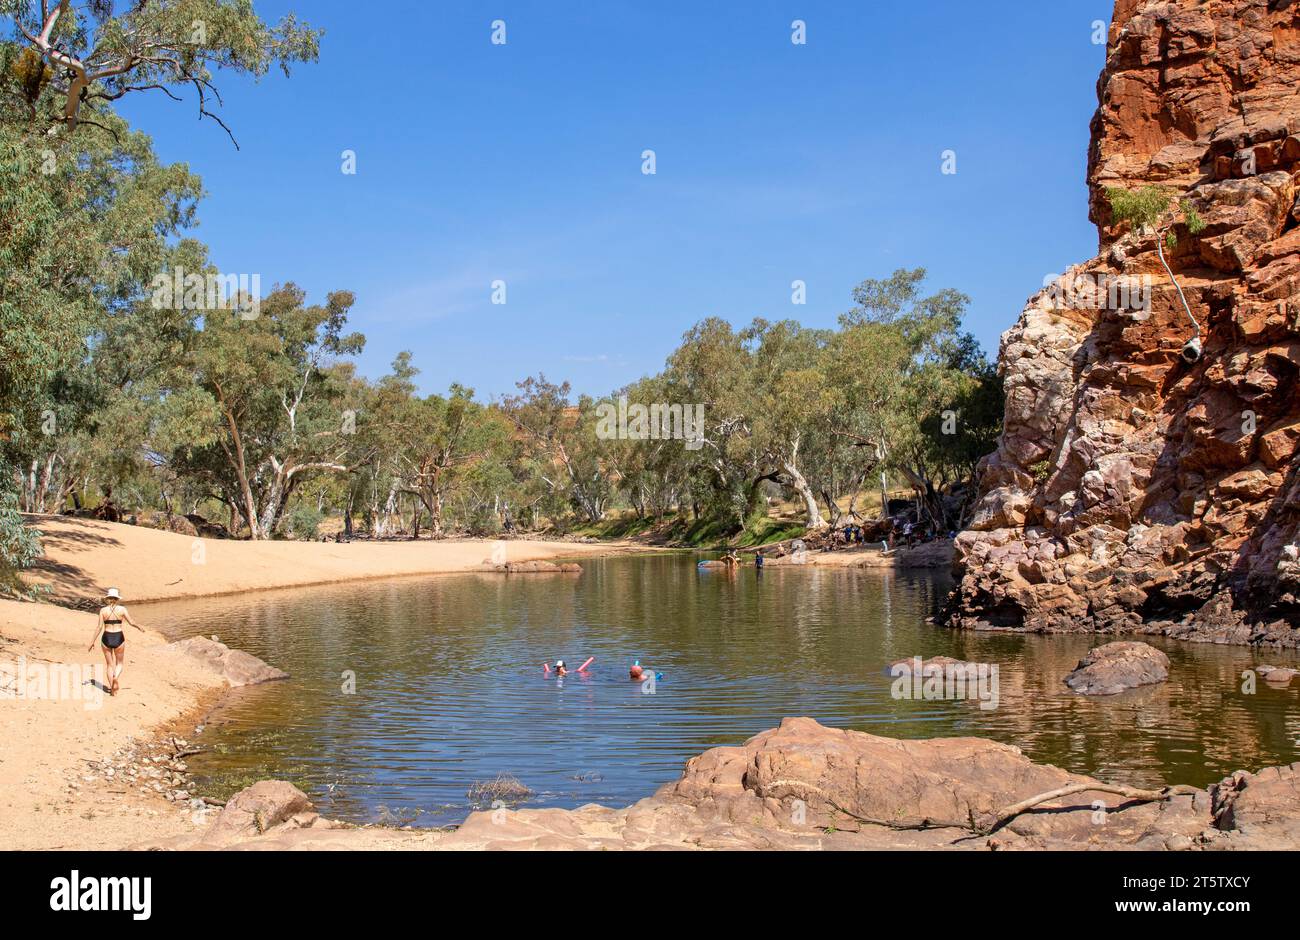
[1131, 490]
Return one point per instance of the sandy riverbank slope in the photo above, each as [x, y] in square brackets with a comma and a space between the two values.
[83, 557]
[59, 719]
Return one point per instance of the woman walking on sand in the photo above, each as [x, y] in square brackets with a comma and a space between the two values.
[114, 638]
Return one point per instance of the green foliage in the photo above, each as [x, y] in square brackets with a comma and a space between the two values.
[482, 522]
[1195, 224]
[304, 521]
[1142, 209]
[1145, 209]
[19, 546]
[97, 55]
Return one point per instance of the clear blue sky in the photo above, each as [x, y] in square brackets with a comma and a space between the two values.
[522, 162]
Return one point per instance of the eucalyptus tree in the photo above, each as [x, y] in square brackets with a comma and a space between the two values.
[280, 410]
[791, 399]
[82, 226]
[77, 56]
[446, 442]
[559, 443]
[711, 368]
[915, 392]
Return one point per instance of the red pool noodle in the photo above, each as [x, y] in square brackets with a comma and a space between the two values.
[586, 664]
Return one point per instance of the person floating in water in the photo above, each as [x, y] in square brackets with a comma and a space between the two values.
[561, 670]
[113, 643]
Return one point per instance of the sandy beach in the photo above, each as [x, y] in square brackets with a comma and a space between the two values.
[83, 557]
[49, 741]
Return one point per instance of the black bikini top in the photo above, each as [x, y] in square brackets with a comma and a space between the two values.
[116, 623]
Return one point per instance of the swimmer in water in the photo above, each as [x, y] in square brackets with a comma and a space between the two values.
[561, 670]
[638, 673]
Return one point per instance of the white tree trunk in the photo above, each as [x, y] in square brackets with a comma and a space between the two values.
[815, 520]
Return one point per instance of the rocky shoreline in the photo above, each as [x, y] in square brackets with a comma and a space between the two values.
[807, 787]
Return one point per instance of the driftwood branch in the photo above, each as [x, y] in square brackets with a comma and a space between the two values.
[990, 822]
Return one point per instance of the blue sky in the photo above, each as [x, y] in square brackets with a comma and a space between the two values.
[775, 162]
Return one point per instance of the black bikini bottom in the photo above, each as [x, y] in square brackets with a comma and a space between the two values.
[113, 640]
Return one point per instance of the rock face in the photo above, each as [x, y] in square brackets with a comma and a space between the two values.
[805, 786]
[1118, 667]
[1131, 490]
[235, 666]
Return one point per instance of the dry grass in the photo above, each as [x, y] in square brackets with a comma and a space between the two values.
[504, 788]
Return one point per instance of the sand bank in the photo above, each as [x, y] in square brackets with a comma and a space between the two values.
[55, 719]
[83, 557]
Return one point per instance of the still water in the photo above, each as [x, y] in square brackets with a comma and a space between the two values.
[449, 688]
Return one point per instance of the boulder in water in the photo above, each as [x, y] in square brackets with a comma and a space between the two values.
[235, 666]
[1118, 667]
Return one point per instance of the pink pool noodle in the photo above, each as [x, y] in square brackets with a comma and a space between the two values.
[586, 664]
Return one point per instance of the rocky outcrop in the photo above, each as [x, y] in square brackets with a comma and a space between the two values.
[235, 666]
[1118, 667]
[538, 567]
[805, 786]
[1133, 490]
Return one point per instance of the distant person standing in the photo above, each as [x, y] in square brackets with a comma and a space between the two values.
[112, 637]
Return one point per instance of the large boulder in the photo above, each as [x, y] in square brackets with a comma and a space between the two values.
[256, 810]
[804, 785]
[235, 666]
[1118, 667]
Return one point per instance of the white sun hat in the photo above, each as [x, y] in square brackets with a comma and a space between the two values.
[113, 594]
